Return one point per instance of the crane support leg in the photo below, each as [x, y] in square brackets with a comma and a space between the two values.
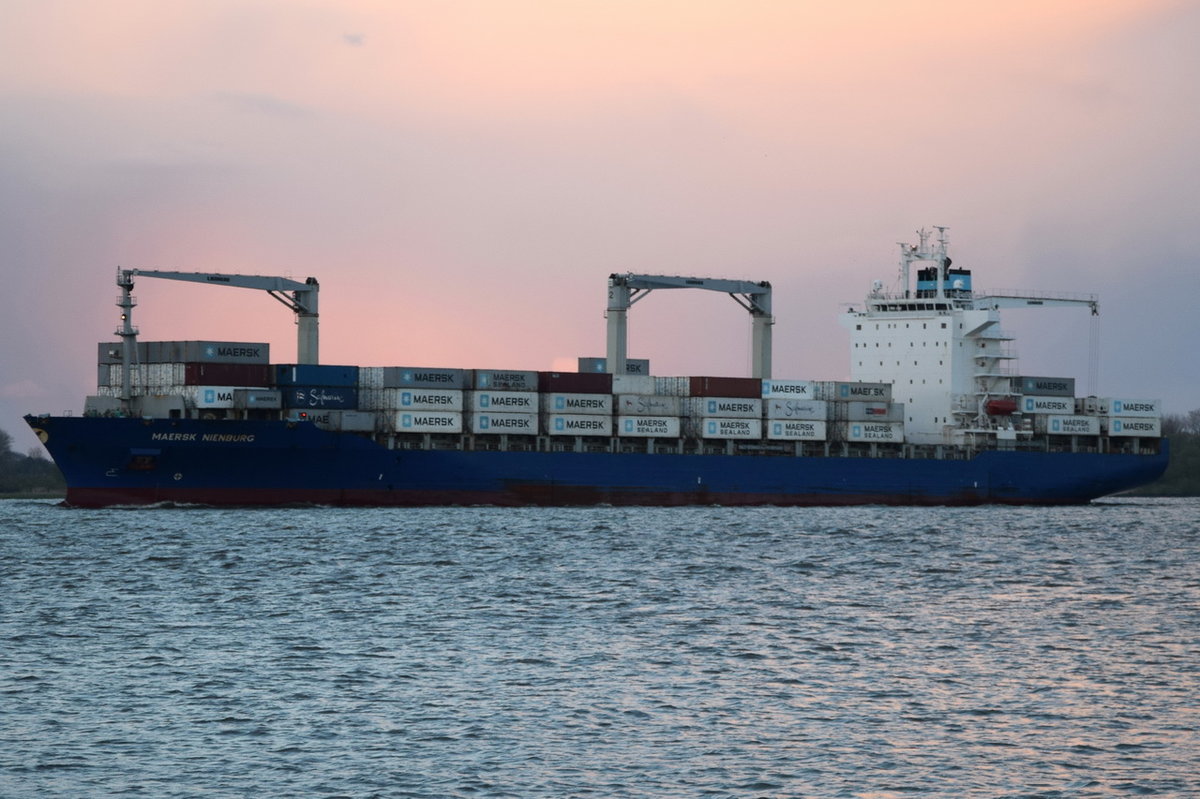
[617, 351]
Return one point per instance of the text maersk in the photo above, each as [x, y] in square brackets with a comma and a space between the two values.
[214, 438]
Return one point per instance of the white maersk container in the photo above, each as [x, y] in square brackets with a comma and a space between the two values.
[345, 421]
[731, 428]
[1069, 425]
[633, 384]
[502, 401]
[789, 389]
[1146, 408]
[1052, 405]
[807, 410]
[505, 380]
[585, 404]
[1135, 426]
[525, 424]
[725, 407]
[577, 424]
[795, 430]
[881, 432]
[232, 397]
[845, 391]
[673, 386]
[648, 426]
[428, 422]
[429, 399]
[648, 405]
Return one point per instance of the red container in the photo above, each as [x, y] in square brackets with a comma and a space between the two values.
[574, 382]
[227, 374]
[741, 387]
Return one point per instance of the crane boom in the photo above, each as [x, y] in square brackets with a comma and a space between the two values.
[301, 298]
[624, 290]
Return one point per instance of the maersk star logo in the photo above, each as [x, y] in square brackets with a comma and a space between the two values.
[406, 420]
[856, 431]
[210, 352]
[1116, 406]
[558, 424]
[484, 423]
[1055, 425]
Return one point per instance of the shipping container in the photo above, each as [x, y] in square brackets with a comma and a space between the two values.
[789, 389]
[428, 422]
[842, 391]
[741, 387]
[633, 384]
[505, 380]
[1135, 426]
[1147, 408]
[257, 399]
[730, 428]
[724, 407]
[425, 377]
[225, 374]
[370, 377]
[344, 421]
[1052, 405]
[648, 426]
[883, 432]
[574, 383]
[633, 366]
[1068, 425]
[320, 397]
[587, 404]
[311, 374]
[796, 430]
[860, 411]
[206, 352]
[503, 423]
[673, 386]
[111, 353]
[213, 396]
[578, 424]
[807, 410]
[1044, 386]
[429, 399]
[503, 401]
[648, 405]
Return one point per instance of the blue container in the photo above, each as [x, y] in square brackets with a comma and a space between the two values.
[320, 397]
[307, 374]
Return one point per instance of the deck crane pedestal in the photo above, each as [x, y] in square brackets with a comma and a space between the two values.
[626, 289]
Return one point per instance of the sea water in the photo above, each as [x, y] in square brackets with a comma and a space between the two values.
[602, 652]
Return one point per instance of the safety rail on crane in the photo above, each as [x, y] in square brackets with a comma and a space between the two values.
[626, 289]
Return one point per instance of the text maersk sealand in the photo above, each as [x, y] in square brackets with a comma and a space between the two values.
[948, 422]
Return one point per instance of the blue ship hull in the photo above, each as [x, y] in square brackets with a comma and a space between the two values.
[109, 461]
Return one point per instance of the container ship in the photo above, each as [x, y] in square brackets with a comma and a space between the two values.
[934, 413]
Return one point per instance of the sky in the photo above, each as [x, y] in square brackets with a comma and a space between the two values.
[462, 177]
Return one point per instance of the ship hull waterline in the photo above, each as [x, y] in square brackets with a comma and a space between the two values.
[124, 461]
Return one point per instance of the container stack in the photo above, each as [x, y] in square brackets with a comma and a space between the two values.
[503, 402]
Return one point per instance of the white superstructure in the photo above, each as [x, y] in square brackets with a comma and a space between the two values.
[941, 346]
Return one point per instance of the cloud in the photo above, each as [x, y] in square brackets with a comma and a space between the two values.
[354, 39]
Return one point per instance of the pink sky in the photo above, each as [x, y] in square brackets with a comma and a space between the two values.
[463, 176]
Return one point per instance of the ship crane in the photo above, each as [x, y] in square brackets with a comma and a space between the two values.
[626, 289]
[301, 298]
